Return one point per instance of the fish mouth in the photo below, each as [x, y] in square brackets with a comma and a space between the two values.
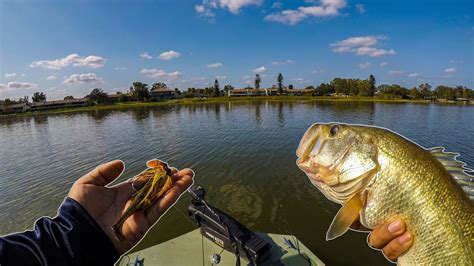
[324, 177]
[310, 145]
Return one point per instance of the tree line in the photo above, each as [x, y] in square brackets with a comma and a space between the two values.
[140, 91]
[357, 87]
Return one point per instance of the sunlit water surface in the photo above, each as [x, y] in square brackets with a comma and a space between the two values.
[242, 153]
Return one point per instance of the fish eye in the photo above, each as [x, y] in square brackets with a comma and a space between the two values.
[334, 129]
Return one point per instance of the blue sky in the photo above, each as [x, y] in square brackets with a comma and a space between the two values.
[67, 47]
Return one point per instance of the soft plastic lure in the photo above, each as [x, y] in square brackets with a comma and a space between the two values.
[157, 181]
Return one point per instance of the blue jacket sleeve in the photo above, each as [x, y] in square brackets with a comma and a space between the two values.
[71, 238]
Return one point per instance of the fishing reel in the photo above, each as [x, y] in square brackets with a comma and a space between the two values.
[225, 231]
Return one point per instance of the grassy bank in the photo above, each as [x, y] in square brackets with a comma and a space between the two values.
[188, 101]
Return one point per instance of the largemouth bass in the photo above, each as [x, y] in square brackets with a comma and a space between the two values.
[157, 181]
[378, 176]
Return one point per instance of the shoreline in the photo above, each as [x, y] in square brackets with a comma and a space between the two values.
[190, 101]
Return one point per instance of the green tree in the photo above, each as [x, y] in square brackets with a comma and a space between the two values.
[465, 93]
[69, 97]
[372, 85]
[228, 88]
[414, 93]
[323, 89]
[38, 97]
[257, 81]
[458, 91]
[140, 91]
[425, 90]
[217, 91]
[159, 86]
[177, 92]
[98, 96]
[444, 92]
[364, 88]
[290, 87]
[341, 86]
[280, 83]
[122, 98]
[25, 99]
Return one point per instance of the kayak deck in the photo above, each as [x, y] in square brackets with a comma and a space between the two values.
[188, 250]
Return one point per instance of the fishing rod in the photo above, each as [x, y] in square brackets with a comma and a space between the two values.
[225, 231]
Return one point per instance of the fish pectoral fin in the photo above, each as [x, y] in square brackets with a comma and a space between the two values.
[347, 215]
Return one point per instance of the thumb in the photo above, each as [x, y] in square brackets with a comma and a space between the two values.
[103, 174]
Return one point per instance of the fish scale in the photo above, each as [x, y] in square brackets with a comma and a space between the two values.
[411, 184]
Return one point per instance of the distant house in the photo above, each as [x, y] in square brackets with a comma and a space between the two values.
[37, 106]
[14, 108]
[246, 92]
[161, 94]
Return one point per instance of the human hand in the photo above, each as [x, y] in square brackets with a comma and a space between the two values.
[107, 203]
[392, 238]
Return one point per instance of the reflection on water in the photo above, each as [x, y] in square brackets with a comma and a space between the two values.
[242, 153]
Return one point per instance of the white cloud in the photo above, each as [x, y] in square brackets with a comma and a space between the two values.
[168, 55]
[360, 8]
[146, 55]
[259, 70]
[233, 6]
[159, 73]
[300, 80]
[277, 5]
[91, 61]
[318, 71]
[83, 78]
[205, 12]
[286, 62]
[450, 70]
[365, 65]
[10, 75]
[214, 65]
[382, 64]
[51, 77]
[395, 72]
[362, 45]
[414, 75]
[221, 77]
[17, 85]
[120, 68]
[359, 41]
[373, 52]
[326, 8]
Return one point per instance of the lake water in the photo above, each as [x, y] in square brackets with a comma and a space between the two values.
[242, 153]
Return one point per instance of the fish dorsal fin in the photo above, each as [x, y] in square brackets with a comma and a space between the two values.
[457, 169]
[344, 218]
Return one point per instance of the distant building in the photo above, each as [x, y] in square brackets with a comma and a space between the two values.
[161, 94]
[37, 106]
[266, 92]
[14, 108]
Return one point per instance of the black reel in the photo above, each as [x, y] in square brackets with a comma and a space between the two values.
[225, 231]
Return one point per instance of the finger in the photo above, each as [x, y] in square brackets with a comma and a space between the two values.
[398, 246]
[174, 170]
[382, 235]
[129, 187]
[103, 174]
[357, 226]
[178, 174]
[170, 197]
